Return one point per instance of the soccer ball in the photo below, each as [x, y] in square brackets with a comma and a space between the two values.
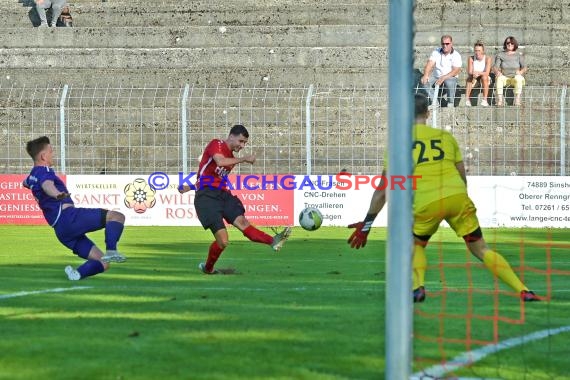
[310, 219]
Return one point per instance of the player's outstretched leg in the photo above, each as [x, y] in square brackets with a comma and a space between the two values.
[280, 238]
[498, 265]
[257, 235]
[501, 268]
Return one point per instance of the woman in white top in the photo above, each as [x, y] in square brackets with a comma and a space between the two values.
[478, 69]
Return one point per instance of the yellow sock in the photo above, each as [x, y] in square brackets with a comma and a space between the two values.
[419, 264]
[502, 269]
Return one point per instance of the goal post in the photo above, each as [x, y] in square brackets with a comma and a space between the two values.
[399, 242]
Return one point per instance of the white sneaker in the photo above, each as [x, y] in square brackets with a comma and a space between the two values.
[467, 103]
[450, 105]
[72, 274]
[484, 103]
[113, 256]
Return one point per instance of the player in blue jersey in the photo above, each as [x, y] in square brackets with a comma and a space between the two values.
[71, 223]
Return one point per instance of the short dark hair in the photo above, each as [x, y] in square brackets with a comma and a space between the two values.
[510, 39]
[421, 104]
[239, 129]
[34, 147]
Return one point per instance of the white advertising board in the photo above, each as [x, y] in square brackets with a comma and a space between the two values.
[131, 195]
[538, 202]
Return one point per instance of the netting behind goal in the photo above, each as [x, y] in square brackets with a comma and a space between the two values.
[474, 326]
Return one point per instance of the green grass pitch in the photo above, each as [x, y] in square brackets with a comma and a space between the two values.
[314, 310]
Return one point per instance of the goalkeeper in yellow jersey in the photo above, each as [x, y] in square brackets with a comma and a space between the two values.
[440, 194]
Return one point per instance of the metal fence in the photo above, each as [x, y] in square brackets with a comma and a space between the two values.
[292, 130]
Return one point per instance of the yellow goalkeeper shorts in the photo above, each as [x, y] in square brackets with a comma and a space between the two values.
[457, 210]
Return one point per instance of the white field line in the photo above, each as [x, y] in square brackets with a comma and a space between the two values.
[470, 357]
[33, 292]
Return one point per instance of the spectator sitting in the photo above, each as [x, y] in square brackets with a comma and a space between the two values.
[56, 9]
[478, 70]
[509, 69]
[442, 69]
[65, 19]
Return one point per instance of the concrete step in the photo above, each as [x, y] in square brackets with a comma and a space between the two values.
[227, 66]
[196, 36]
[182, 58]
[493, 35]
[485, 13]
[426, 37]
[203, 76]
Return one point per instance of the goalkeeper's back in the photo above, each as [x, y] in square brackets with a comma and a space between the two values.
[436, 155]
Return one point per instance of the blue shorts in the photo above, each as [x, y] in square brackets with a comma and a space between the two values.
[74, 223]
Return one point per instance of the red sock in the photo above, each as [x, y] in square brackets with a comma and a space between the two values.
[213, 255]
[256, 235]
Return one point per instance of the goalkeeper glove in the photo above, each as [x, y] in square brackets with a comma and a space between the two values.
[360, 235]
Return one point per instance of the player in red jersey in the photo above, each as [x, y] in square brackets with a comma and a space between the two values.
[215, 203]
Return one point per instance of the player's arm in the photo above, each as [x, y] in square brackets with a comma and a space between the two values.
[359, 237]
[49, 188]
[470, 66]
[461, 169]
[456, 156]
[497, 66]
[427, 71]
[377, 202]
[229, 161]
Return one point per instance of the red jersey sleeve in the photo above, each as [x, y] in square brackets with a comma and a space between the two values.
[209, 172]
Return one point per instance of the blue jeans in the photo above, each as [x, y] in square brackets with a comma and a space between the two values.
[450, 86]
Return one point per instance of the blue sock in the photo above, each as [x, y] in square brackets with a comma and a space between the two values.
[113, 231]
[90, 268]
